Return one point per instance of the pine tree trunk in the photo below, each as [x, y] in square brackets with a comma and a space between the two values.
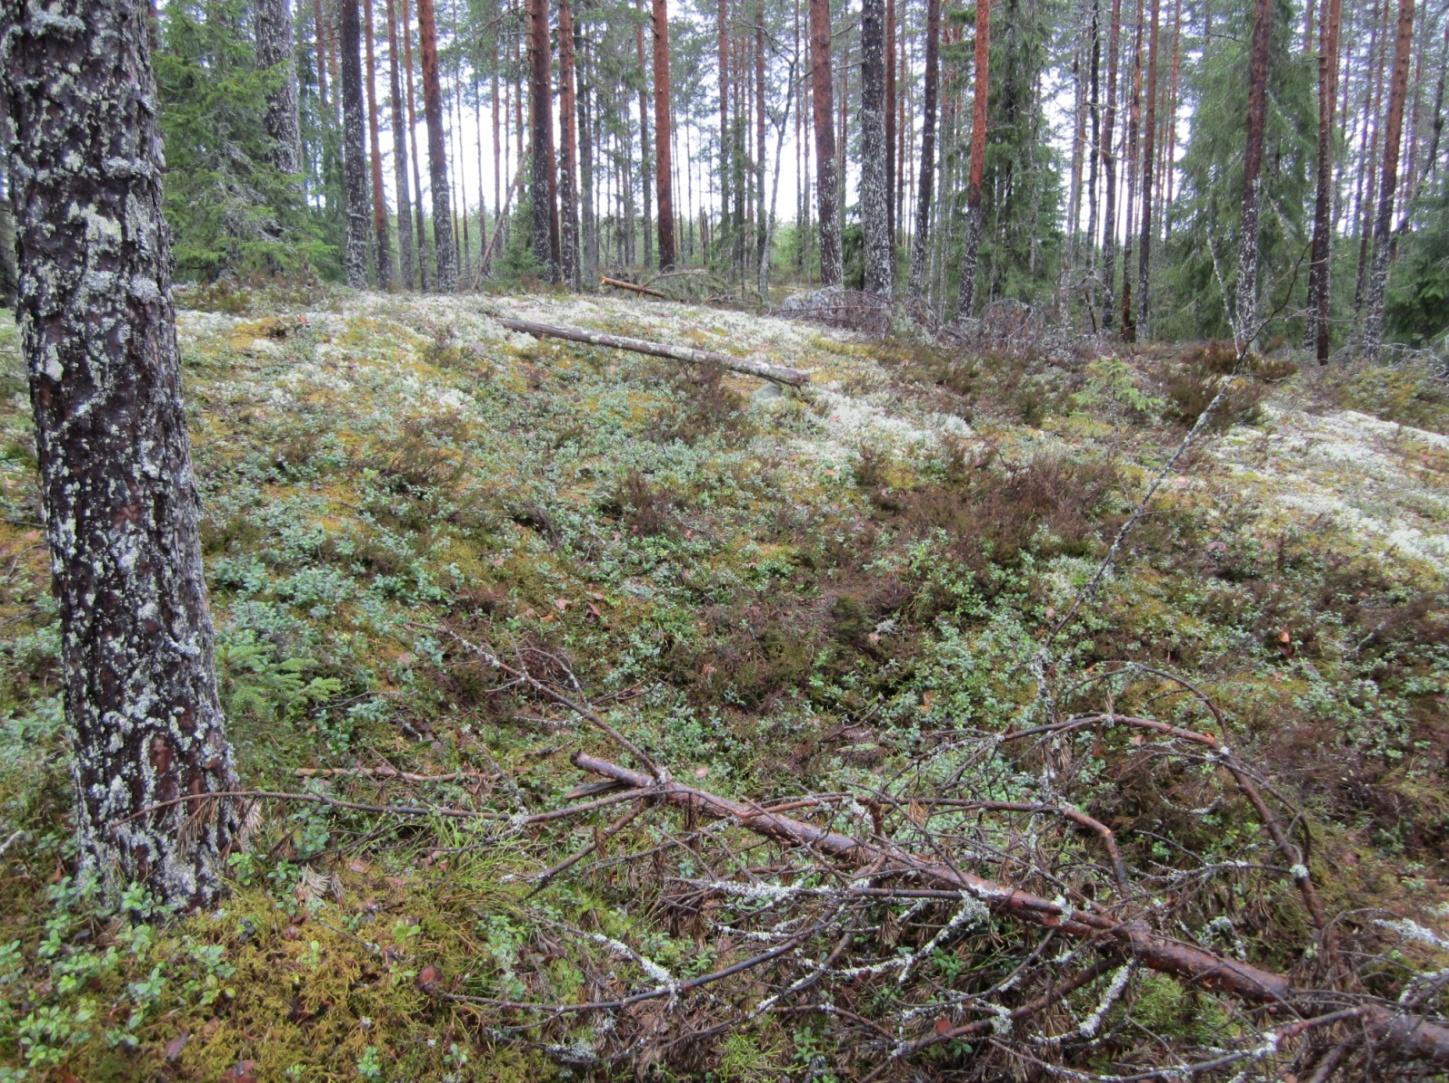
[892, 211]
[663, 132]
[1245, 319]
[379, 195]
[1094, 126]
[1134, 119]
[568, 160]
[1144, 266]
[354, 150]
[1368, 194]
[722, 29]
[920, 242]
[1319, 281]
[825, 177]
[874, 183]
[1373, 334]
[761, 224]
[319, 32]
[646, 168]
[421, 248]
[399, 152]
[1109, 171]
[967, 297]
[586, 177]
[274, 47]
[150, 758]
[437, 150]
[540, 119]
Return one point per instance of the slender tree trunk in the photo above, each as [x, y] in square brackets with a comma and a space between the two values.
[1319, 295]
[1373, 334]
[890, 123]
[1109, 171]
[761, 224]
[646, 167]
[1134, 118]
[150, 758]
[354, 149]
[967, 296]
[399, 152]
[920, 243]
[663, 129]
[586, 175]
[1436, 126]
[1094, 124]
[1144, 265]
[825, 177]
[379, 196]
[422, 237]
[1373, 127]
[1169, 158]
[568, 167]
[274, 48]
[875, 152]
[722, 27]
[541, 161]
[437, 150]
[319, 30]
[1246, 308]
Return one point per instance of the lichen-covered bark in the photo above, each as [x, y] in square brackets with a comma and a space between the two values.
[541, 186]
[274, 51]
[120, 500]
[1383, 222]
[568, 163]
[824, 115]
[874, 184]
[437, 150]
[1246, 308]
[379, 194]
[356, 203]
[399, 150]
[920, 244]
[981, 95]
[663, 132]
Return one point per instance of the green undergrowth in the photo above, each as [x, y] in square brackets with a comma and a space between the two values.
[772, 593]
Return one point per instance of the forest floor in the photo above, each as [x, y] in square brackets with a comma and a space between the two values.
[772, 592]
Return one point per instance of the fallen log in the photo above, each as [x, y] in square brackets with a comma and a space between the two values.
[1411, 1034]
[632, 287]
[750, 366]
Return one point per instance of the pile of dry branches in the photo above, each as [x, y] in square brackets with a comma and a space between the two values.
[976, 914]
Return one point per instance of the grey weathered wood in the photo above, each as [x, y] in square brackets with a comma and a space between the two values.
[750, 366]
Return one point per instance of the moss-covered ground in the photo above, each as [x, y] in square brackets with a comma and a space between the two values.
[772, 592]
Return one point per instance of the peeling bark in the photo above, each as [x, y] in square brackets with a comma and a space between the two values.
[120, 499]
